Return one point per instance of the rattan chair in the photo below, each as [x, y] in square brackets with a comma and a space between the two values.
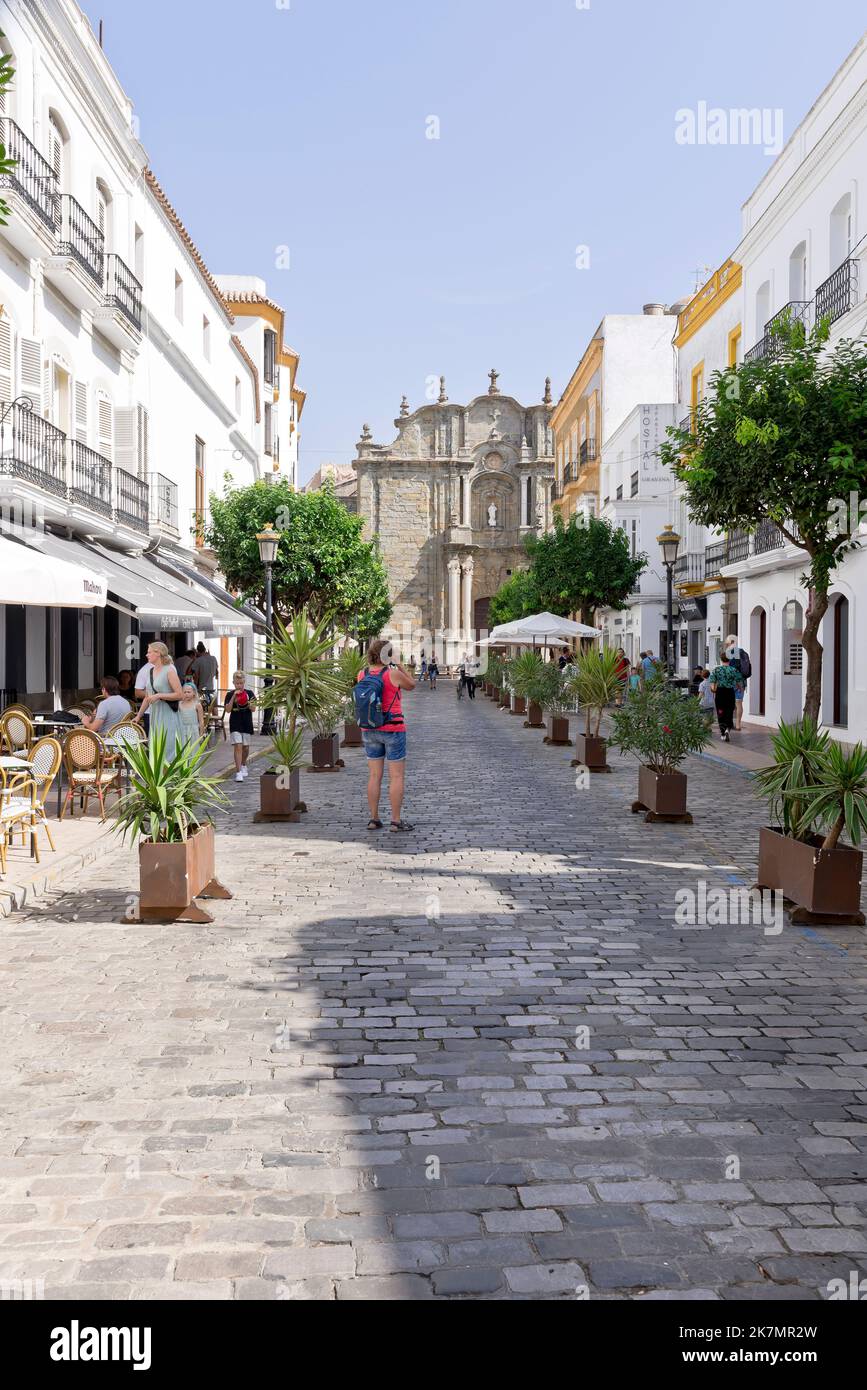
[16, 732]
[84, 760]
[215, 718]
[45, 758]
[77, 711]
[18, 709]
[18, 807]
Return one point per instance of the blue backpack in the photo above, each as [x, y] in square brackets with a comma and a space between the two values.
[369, 695]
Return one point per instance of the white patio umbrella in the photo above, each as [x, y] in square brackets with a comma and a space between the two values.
[542, 626]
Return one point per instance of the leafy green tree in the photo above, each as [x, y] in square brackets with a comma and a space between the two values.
[323, 563]
[583, 565]
[7, 166]
[518, 597]
[784, 440]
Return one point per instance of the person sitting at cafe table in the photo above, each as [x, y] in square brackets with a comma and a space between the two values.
[111, 709]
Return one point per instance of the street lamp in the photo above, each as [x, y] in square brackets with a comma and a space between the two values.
[268, 541]
[669, 543]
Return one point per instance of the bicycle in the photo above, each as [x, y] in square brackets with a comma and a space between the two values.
[460, 687]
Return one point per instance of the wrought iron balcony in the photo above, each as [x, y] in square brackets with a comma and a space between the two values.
[163, 501]
[122, 290]
[32, 177]
[89, 478]
[588, 451]
[715, 557]
[759, 350]
[131, 499]
[80, 238]
[32, 449]
[689, 569]
[767, 537]
[839, 293]
[739, 547]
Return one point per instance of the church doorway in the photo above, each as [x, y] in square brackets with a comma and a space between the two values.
[481, 614]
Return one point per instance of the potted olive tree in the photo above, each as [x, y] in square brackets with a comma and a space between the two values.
[350, 665]
[819, 790]
[167, 811]
[661, 727]
[526, 670]
[302, 681]
[558, 702]
[596, 684]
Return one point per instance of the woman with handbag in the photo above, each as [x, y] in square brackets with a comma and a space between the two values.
[163, 692]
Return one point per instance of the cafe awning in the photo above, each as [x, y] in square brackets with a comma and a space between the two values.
[37, 575]
[230, 619]
[161, 603]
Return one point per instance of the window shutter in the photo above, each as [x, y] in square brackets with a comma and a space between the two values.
[30, 378]
[80, 408]
[47, 393]
[5, 360]
[125, 438]
[142, 441]
[106, 433]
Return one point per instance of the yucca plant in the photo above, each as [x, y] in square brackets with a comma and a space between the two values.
[837, 798]
[527, 671]
[595, 683]
[288, 749]
[169, 798]
[326, 717]
[799, 749]
[303, 675]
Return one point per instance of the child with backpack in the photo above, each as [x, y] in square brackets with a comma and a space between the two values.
[379, 715]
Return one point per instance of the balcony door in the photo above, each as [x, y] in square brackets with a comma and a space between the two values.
[61, 398]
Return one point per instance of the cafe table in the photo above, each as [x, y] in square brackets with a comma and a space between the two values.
[10, 763]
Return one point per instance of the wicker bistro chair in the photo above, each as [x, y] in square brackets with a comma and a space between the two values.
[18, 809]
[45, 758]
[77, 711]
[125, 732]
[16, 731]
[84, 760]
[215, 718]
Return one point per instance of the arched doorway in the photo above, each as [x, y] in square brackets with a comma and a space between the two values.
[759, 658]
[792, 683]
[481, 617]
[839, 653]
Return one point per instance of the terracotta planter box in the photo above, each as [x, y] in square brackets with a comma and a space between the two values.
[591, 751]
[662, 793]
[277, 800]
[326, 751]
[519, 704]
[821, 882]
[171, 876]
[771, 844]
[352, 735]
[558, 731]
[535, 716]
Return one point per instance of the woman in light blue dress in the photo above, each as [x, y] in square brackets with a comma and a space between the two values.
[163, 685]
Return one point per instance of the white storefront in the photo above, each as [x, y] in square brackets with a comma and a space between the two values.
[126, 391]
[805, 246]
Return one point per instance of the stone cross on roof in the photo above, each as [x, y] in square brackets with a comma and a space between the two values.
[493, 389]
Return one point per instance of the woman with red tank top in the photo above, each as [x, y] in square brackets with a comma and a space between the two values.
[387, 744]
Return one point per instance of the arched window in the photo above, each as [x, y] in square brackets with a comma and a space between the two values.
[7, 94]
[842, 230]
[763, 307]
[798, 274]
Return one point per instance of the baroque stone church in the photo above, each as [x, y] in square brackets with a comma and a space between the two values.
[451, 500]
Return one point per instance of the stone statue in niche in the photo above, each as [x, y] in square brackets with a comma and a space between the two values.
[492, 515]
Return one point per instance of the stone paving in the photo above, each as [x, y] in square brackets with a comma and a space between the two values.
[481, 1061]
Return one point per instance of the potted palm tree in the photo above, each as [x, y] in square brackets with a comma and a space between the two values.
[798, 749]
[662, 727]
[556, 699]
[820, 800]
[595, 684]
[350, 664]
[167, 812]
[302, 681]
[280, 783]
[526, 671]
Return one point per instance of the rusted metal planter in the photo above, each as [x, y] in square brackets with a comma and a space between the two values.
[558, 731]
[824, 885]
[535, 716]
[171, 876]
[326, 753]
[352, 735]
[591, 752]
[505, 698]
[518, 705]
[662, 795]
[280, 797]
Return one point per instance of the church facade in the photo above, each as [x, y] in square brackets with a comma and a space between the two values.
[451, 501]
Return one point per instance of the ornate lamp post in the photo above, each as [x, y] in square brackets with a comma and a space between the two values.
[669, 544]
[268, 541]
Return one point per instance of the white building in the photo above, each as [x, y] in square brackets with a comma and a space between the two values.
[637, 489]
[804, 247]
[130, 382]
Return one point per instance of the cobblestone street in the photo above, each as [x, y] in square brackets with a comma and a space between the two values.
[481, 1060]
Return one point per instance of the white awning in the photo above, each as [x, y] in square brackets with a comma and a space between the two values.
[161, 603]
[29, 575]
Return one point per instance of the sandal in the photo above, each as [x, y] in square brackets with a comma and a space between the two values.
[397, 825]
[374, 824]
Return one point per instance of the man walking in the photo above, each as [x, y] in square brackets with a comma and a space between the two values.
[204, 672]
[724, 682]
[387, 743]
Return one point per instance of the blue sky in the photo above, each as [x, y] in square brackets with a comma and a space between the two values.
[304, 123]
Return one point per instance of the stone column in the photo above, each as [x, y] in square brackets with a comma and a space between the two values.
[468, 600]
[454, 595]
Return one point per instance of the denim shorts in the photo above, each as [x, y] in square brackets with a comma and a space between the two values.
[379, 744]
